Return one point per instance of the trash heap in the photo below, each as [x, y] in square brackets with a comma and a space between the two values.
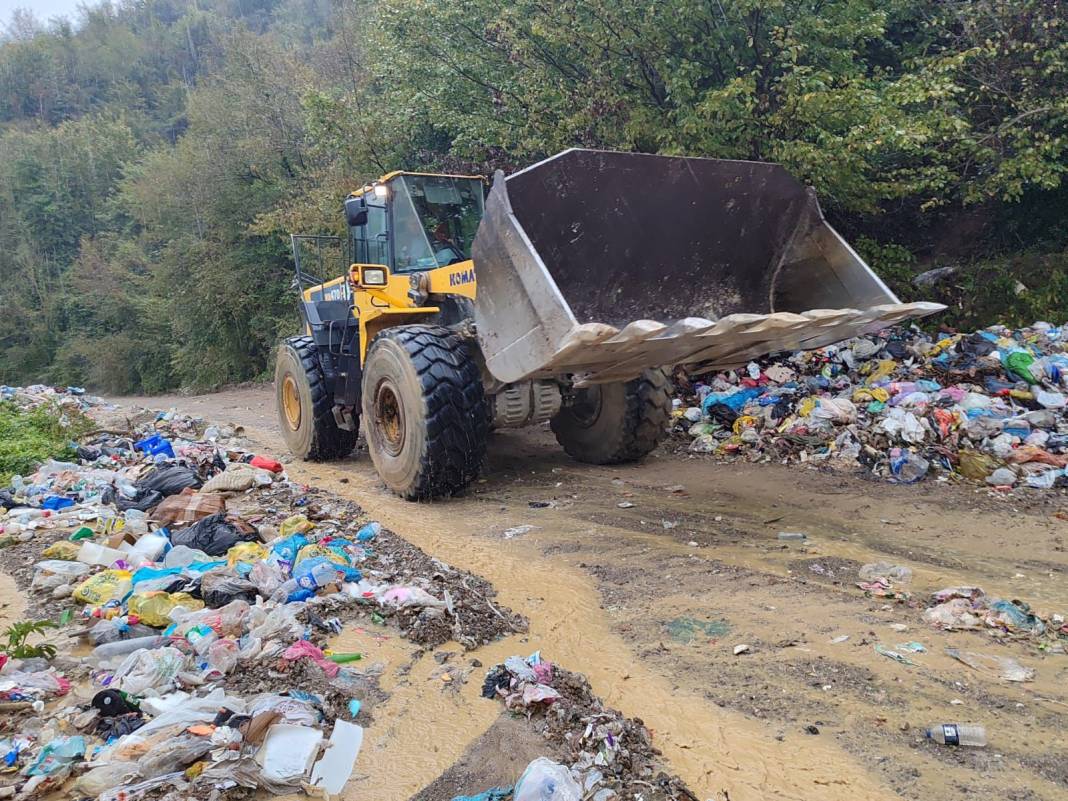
[957, 608]
[202, 584]
[37, 395]
[609, 757]
[989, 406]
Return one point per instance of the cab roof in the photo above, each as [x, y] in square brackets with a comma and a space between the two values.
[389, 176]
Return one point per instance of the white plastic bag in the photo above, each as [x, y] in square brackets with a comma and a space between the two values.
[545, 780]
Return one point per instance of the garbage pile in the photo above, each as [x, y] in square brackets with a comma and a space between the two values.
[609, 757]
[989, 406]
[971, 608]
[207, 586]
[37, 395]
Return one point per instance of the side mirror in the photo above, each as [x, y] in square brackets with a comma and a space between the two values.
[355, 211]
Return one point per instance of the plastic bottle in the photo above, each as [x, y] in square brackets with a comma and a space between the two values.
[123, 647]
[136, 521]
[319, 575]
[958, 734]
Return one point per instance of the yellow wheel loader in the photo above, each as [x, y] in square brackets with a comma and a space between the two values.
[562, 295]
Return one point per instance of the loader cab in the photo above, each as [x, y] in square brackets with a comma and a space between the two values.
[414, 222]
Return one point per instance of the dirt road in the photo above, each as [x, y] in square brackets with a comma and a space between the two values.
[647, 577]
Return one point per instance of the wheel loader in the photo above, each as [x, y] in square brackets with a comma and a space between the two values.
[564, 294]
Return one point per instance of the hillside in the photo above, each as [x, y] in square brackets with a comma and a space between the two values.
[154, 154]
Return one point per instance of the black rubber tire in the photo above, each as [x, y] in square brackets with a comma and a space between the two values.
[628, 421]
[317, 437]
[424, 411]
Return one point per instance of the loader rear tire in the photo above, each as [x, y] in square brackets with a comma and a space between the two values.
[306, 405]
[424, 411]
[615, 423]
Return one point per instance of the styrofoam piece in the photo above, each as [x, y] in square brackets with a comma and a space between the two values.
[332, 772]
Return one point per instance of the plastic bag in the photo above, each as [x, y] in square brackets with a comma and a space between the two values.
[116, 629]
[898, 574]
[215, 534]
[227, 621]
[297, 524]
[223, 656]
[62, 549]
[52, 573]
[220, 587]
[238, 478]
[976, 465]
[402, 597]
[267, 577]
[173, 755]
[103, 587]
[545, 780]
[908, 467]
[169, 479]
[302, 649]
[246, 552]
[154, 608]
[149, 670]
[103, 778]
[182, 555]
[56, 756]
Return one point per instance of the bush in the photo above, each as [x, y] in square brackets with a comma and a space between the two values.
[30, 436]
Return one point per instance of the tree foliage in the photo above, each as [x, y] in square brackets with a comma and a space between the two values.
[155, 153]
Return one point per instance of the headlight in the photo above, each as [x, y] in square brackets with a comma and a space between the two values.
[373, 276]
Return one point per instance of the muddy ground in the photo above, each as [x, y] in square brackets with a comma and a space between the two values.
[649, 600]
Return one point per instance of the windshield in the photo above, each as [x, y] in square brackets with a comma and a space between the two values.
[434, 220]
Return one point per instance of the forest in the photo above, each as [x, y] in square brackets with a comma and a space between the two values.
[155, 154]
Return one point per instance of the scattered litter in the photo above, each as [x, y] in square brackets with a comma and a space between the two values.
[517, 531]
[202, 578]
[895, 655]
[741, 649]
[1001, 667]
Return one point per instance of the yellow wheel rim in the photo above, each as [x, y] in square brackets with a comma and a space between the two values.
[291, 402]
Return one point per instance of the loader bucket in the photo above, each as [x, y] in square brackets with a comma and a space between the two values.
[601, 264]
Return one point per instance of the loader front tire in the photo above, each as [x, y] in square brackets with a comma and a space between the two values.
[306, 405]
[424, 411]
[616, 423]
